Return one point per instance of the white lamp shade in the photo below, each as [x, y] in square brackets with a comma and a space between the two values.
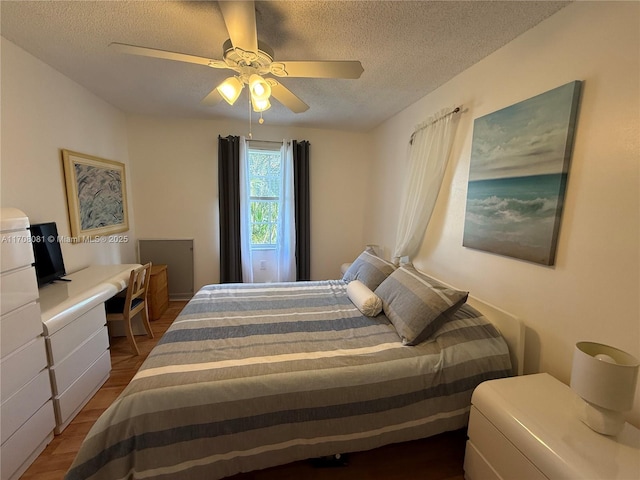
[604, 376]
[259, 88]
[260, 105]
[230, 89]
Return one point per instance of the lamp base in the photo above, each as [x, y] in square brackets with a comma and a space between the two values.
[598, 419]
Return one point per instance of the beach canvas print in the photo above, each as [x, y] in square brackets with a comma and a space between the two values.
[518, 174]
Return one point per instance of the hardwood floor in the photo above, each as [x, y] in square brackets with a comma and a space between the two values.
[436, 458]
[56, 459]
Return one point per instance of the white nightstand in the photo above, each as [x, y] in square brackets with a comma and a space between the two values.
[527, 428]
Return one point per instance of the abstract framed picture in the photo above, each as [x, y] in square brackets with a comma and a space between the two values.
[518, 172]
[96, 195]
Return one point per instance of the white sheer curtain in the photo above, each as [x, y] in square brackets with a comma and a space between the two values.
[245, 214]
[286, 253]
[428, 156]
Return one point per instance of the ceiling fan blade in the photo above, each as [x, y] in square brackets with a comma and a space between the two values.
[240, 19]
[212, 99]
[320, 69]
[286, 97]
[154, 52]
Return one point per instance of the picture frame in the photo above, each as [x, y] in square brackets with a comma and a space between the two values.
[96, 195]
[518, 173]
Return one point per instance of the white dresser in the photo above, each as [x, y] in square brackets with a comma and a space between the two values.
[26, 412]
[77, 340]
[526, 428]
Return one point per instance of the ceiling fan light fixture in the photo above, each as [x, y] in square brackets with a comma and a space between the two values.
[250, 59]
[260, 105]
[259, 88]
[230, 89]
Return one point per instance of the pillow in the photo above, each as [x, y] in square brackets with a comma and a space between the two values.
[416, 304]
[364, 299]
[369, 268]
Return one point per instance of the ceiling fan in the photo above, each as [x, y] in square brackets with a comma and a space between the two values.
[251, 59]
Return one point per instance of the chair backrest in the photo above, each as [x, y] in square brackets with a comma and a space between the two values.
[138, 285]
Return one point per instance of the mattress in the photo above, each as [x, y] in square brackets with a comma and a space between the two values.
[251, 376]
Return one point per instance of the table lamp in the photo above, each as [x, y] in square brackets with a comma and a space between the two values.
[605, 379]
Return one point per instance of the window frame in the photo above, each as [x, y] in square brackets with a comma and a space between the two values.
[271, 147]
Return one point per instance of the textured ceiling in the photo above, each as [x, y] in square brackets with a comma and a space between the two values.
[407, 49]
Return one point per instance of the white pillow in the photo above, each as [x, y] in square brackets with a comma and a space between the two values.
[363, 298]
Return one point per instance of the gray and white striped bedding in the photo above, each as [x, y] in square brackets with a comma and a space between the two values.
[251, 376]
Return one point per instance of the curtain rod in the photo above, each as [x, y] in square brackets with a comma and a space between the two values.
[258, 141]
[425, 125]
[265, 141]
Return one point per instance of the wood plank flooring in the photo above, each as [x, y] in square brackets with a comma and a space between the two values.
[56, 459]
[436, 458]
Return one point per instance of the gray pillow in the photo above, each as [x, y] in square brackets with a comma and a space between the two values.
[369, 268]
[416, 304]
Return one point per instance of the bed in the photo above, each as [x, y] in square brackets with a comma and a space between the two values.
[251, 376]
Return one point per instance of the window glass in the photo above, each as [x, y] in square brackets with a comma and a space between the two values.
[265, 178]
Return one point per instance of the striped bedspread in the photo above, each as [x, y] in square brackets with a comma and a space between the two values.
[252, 376]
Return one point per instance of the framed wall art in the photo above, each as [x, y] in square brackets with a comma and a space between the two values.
[96, 195]
[518, 174]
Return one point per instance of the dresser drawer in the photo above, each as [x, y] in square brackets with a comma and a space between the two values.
[476, 466]
[31, 437]
[19, 368]
[70, 337]
[158, 293]
[19, 327]
[19, 287]
[80, 392]
[63, 374]
[17, 409]
[158, 304]
[15, 250]
[507, 461]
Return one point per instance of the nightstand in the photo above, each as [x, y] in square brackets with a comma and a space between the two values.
[527, 428]
[158, 293]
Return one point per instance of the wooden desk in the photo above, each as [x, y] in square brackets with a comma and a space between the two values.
[76, 337]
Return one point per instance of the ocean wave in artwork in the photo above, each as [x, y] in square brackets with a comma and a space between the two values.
[514, 216]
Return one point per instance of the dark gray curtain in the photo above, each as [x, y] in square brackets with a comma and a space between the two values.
[302, 209]
[229, 201]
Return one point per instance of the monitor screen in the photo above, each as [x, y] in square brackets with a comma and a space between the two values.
[48, 254]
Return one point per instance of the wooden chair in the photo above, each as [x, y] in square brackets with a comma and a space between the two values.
[135, 301]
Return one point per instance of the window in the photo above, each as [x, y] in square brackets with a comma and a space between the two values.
[265, 179]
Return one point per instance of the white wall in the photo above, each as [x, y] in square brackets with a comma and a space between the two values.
[592, 293]
[42, 113]
[175, 184]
